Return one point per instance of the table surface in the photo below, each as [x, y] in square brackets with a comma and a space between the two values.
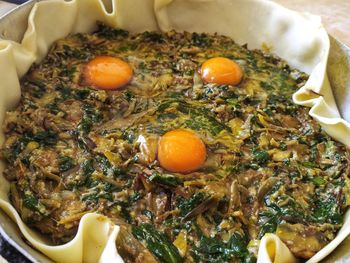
[335, 16]
[334, 13]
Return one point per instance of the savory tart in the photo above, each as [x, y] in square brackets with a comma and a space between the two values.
[189, 142]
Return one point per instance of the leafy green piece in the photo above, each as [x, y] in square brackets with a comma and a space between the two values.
[104, 164]
[46, 138]
[157, 242]
[268, 221]
[125, 213]
[85, 125]
[260, 156]
[53, 107]
[64, 91]
[270, 218]
[309, 164]
[31, 202]
[108, 169]
[69, 71]
[37, 88]
[135, 197]
[88, 169]
[91, 116]
[65, 163]
[94, 196]
[109, 32]
[318, 180]
[15, 149]
[215, 250]
[327, 210]
[266, 85]
[201, 40]
[82, 94]
[187, 205]
[148, 213]
[200, 118]
[76, 53]
[165, 179]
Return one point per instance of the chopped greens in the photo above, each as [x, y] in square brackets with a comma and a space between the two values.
[72, 148]
[157, 242]
[165, 179]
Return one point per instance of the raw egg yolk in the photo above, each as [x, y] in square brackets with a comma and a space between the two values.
[107, 73]
[181, 151]
[221, 71]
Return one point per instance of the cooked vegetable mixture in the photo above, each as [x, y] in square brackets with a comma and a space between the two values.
[193, 165]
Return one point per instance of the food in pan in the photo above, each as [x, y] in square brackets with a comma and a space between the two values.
[188, 141]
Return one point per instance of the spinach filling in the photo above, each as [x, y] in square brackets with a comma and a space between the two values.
[71, 148]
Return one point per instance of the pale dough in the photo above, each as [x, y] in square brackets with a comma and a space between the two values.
[298, 38]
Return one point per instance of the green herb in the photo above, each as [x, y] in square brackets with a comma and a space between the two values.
[318, 180]
[167, 115]
[65, 163]
[157, 242]
[53, 107]
[95, 196]
[85, 125]
[165, 179]
[91, 116]
[215, 250]
[108, 169]
[187, 205]
[127, 47]
[82, 94]
[125, 213]
[283, 146]
[135, 197]
[108, 32]
[69, 71]
[31, 202]
[268, 221]
[327, 210]
[37, 88]
[260, 157]
[266, 85]
[88, 169]
[270, 218]
[74, 53]
[128, 95]
[309, 164]
[46, 138]
[104, 164]
[201, 40]
[15, 149]
[129, 135]
[200, 118]
[148, 213]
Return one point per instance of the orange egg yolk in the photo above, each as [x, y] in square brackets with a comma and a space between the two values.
[221, 71]
[181, 151]
[104, 72]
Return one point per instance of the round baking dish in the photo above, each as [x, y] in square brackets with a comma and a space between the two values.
[13, 26]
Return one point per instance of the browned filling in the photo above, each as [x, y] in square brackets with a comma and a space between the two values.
[270, 168]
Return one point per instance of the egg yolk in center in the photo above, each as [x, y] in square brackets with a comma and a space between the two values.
[181, 151]
[221, 70]
[105, 72]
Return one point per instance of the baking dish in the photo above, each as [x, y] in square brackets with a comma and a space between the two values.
[338, 80]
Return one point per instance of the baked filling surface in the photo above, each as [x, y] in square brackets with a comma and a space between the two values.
[73, 148]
